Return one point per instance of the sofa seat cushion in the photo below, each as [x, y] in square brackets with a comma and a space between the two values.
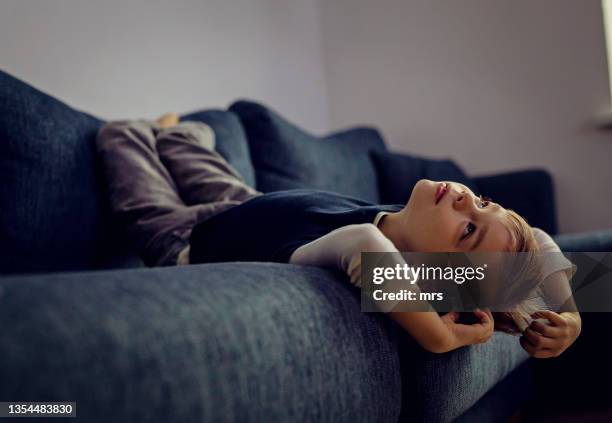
[288, 157]
[398, 173]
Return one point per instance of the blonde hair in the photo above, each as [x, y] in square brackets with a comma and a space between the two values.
[526, 284]
[523, 237]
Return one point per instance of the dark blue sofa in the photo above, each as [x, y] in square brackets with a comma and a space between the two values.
[82, 320]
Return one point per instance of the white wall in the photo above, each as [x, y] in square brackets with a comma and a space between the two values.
[141, 58]
[495, 84]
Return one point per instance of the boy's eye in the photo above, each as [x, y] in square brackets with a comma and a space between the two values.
[484, 201]
[468, 230]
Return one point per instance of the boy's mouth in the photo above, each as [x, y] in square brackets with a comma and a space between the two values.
[441, 191]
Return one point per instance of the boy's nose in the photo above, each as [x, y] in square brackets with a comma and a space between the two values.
[461, 200]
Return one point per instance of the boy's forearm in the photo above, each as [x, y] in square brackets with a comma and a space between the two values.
[427, 329]
[342, 249]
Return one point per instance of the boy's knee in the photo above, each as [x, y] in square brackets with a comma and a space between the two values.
[197, 132]
[112, 132]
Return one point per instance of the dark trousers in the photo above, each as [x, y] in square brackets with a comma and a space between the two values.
[162, 182]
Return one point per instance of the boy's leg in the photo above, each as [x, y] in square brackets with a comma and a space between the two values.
[143, 195]
[201, 174]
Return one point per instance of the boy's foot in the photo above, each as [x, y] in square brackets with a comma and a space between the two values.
[168, 120]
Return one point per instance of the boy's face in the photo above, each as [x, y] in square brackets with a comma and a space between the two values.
[447, 216]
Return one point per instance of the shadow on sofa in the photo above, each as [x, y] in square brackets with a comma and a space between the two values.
[82, 321]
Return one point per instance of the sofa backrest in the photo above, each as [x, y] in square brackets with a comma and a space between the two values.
[288, 157]
[54, 213]
[52, 216]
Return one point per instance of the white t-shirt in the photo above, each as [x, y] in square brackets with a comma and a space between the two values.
[342, 249]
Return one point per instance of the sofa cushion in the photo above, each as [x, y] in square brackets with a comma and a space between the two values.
[398, 173]
[54, 213]
[51, 211]
[595, 241]
[529, 192]
[287, 157]
[230, 140]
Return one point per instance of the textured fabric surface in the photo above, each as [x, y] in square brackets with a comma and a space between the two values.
[441, 387]
[230, 140]
[586, 241]
[528, 192]
[217, 343]
[398, 173]
[505, 398]
[287, 157]
[51, 215]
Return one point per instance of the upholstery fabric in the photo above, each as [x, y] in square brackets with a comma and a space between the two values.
[255, 342]
[443, 386]
[398, 173]
[504, 399]
[287, 157]
[529, 192]
[51, 216]
[595, 241]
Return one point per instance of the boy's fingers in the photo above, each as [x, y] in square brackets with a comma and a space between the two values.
[535, 351]
[483, 316]
[474, 332]
[537, 340]
[546, 330]
[483, 330]
[451, 315]
[554, 318]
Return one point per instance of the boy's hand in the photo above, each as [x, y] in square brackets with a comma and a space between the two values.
[550, 340]
[476, 333]
[168, 120]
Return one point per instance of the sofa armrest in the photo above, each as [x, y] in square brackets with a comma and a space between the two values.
[599, 241]
[528, 192]
[441, 387]
[239, 342]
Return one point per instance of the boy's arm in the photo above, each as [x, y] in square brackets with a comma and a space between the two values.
[442, 334]
[342, 249]
[551, 339]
